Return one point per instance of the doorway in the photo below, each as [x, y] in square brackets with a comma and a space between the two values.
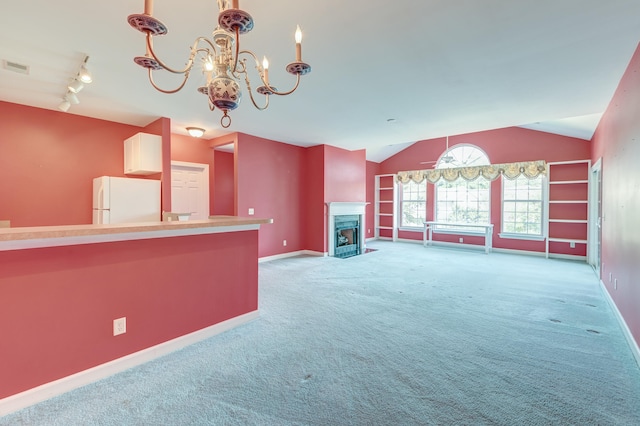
[190, 189]
[595, 215]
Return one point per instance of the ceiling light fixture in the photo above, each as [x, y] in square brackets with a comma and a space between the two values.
[75, 86]
[64, 105]
[222, 64]
[196, 132]
[84, 74]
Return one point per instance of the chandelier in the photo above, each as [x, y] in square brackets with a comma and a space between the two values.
[224, 63]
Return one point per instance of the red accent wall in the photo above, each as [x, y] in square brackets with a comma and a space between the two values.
[48, 160]
[315, 209]
[616, 143]
[501, 146]
[223, 199]
[373, 169]
[270, 180]
[62, 325]
[162, 127]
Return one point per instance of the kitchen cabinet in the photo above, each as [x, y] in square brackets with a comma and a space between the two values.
[143, 154]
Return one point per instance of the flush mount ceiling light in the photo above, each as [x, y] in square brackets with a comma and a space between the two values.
[196, 132]
[221, 56]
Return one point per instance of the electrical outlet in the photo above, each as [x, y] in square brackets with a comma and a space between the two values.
[572, 244]
[284, 243]
[251, 212]
[119, 326]
[461, 240]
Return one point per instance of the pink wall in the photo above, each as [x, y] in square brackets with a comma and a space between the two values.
[616, 143]
[162, 127]
[270, 180]
[223, 200]
[373, 169]
[501, 146]
[315, 222]
[48, 160]
[59, 326]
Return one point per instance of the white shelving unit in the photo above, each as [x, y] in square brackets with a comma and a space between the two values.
[385, 209]
[568, 209]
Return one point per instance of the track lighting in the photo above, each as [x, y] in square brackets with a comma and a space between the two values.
[72, 98]
[75, 86]
[64, 106]
[83, 76]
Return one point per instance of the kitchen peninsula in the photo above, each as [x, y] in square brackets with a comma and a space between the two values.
[62, 288]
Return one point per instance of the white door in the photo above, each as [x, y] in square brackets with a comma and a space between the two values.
[190, 189]
[595, 217]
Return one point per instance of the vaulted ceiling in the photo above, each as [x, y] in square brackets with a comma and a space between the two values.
[436, 67]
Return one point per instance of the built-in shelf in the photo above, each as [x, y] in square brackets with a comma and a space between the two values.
[385, 208]
[567, 208]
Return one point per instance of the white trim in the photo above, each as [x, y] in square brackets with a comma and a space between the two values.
[521, 252]
[457, 245]
[58, 387]
[633, 345]
[411, 229]
[512, 236]
[566, 256]
[291, 254]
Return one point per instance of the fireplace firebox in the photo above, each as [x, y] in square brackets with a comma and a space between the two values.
[347, 235]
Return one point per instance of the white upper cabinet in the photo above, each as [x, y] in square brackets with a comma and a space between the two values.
[143, 154]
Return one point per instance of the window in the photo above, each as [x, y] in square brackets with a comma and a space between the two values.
[413, 204]
[522, 201]
[463, 201]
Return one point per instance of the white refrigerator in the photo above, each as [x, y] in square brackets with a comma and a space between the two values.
[125, 200]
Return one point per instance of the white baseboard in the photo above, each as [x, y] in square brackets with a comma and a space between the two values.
[291, 254]
[633, 345]
[41, 393]
[567, 256]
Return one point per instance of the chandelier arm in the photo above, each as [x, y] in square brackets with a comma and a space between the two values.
[253, 101]
[194, 51]
[155, 86]
[266, 84]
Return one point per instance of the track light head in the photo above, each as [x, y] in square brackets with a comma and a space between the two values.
[64, 106]
[75, 86]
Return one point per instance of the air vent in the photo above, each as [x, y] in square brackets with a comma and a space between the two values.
[15, 67]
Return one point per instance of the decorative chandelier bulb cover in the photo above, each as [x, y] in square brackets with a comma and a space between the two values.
[75, 86]
[195, 132]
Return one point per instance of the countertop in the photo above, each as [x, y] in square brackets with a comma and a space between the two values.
[50, 236]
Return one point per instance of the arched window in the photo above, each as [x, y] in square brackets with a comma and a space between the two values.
[463, 201]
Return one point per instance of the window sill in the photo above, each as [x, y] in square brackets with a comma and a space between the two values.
[508, 236]
[411, 228]
[459, 232]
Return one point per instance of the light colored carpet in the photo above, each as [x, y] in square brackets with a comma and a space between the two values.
[400, 336]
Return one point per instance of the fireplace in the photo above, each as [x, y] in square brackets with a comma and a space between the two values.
[345, 228]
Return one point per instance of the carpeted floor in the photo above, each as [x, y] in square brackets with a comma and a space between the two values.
[399, 336]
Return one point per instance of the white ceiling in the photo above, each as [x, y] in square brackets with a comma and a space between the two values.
[439, 67]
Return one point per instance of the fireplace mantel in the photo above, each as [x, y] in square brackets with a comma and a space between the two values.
[338, 208]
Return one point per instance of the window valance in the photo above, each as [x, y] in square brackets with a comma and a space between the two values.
[530, 169]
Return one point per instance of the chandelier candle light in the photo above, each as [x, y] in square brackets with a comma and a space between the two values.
[223, 61]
